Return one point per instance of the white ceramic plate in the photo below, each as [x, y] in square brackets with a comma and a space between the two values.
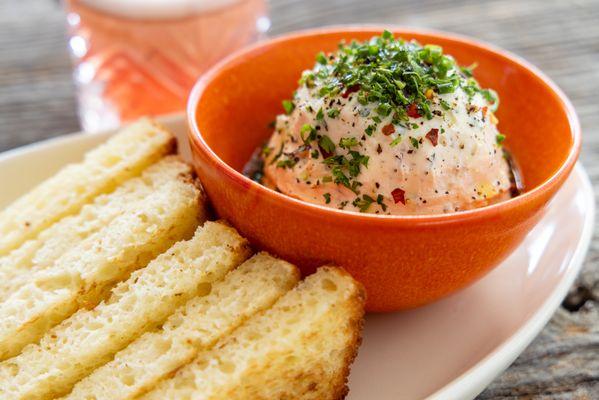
[449, 350]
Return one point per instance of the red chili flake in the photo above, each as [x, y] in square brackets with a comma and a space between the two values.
[433, 136]
[399, 196]
[350, 90]
[485, 111]
[413, 111]
[388, 129]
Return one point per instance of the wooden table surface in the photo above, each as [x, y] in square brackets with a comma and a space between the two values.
[37, 101]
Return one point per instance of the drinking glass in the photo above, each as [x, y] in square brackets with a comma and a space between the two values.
[141, 57]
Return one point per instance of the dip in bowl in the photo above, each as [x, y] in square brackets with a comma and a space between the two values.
[388, 126]
[419, 253]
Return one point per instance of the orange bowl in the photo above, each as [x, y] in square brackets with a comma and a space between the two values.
[403, 261]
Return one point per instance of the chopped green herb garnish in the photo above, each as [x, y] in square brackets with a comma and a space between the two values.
[289, 106]
[414, 142]
[357, 161]
[342, 166]
[278, 155]
[333, 113]
[491, 96]
[307, 79]
[444, 104]
[363, 203]
[326, 144]
[321, 58]
[348, 142]
[370, 129]
[467, 71]
[287, 163]
[266, 150]
[396, 141]
[379, 201]
[308, 133]
[384, 109]
[362, 98]
[397, 84]
[340, 177]
[320, 114]
[395, 75]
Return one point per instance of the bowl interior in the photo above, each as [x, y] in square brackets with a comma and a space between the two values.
[239, 99]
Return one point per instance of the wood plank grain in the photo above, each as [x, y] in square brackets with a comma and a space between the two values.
[37, 100]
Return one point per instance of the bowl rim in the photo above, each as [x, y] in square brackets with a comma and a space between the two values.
[558, 177]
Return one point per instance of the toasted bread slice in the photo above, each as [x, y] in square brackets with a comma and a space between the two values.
[41, 253]
[103, 169]
[90, 338]
[299, 349]
[82, 276]
[252, 287]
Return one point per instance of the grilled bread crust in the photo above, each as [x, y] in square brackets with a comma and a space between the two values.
[104, 168]
[299, 349]
[253, 286]
[109, 290]
[82, 276]
[90, 338]
[40, 253]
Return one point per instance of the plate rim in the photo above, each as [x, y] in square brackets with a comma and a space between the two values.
[474, 380]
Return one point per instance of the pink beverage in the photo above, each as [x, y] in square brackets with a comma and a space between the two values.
[141, 57]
